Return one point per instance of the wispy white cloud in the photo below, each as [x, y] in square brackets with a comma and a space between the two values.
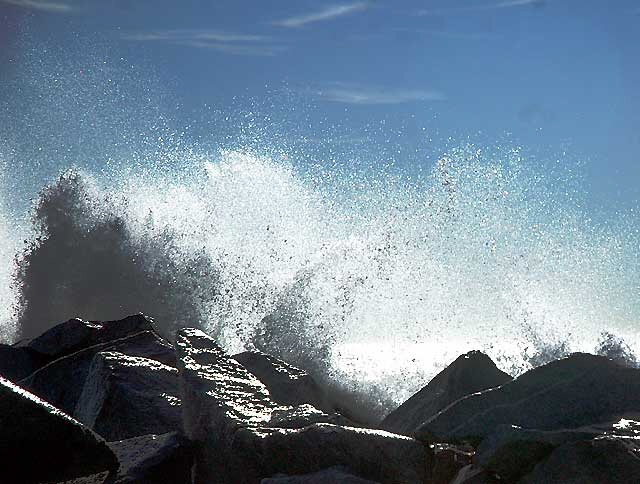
[328, 13]
[482, 8]
[194, 34]
[368, 95]
[42, 5]
[230, 43]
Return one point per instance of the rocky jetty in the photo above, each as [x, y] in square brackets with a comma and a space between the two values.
[113, 402]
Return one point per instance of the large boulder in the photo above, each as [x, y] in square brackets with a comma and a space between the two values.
[154, 459]
[287, 384]
[76, 334]
[603, 460]
[376, 455]
[230, 416]
[127, 396]
[469, 373]
[39, 443]
[579, 390]
[61, 381]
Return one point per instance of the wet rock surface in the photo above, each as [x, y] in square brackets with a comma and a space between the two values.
[229, 414]
[287, 384]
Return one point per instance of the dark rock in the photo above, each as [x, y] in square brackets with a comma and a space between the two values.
[512, 461]
[287, 384]
[325, 476]
[217, 391]
[469, 373]
[229, 416]
[39, 443]
[127, 396]
[376, 455]
[301, 415]
[154, 459]
[448, 460]
[17, 363]
[572, 392]
[474, 475]
[598, 461]
[61, 381]
[513, 451]
[76, 334]
[505, 434]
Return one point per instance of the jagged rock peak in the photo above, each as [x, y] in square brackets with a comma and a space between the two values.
[469, 373]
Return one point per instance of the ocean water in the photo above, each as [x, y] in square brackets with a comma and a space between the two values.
[376, 276]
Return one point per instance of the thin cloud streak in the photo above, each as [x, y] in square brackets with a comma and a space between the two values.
[364, 95]
[483, 8]
[328, 13]
[44, 6]
[194, 34]
[235, 49]
[229, 43]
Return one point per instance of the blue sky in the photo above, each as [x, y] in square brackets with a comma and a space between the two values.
[560, 78]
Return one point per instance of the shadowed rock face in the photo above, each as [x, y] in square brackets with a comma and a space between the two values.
[231, 418]
[76, 334]
[153, 458]
[326, 476]
[17, 363]
[372, 454]
[598, 461]
[469, 373]
[39, 443]
[61, 381]
[125, 396]
[578, 390]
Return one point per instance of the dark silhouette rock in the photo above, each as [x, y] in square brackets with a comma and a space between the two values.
[17, 363]
[61, 381]
[597, 461]
[127, 396]
[325, 476]
[469, 373]
[229, 415]
[154, 459]
[287, 384]
[39, 443]
[76, 334]
[571, 392]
